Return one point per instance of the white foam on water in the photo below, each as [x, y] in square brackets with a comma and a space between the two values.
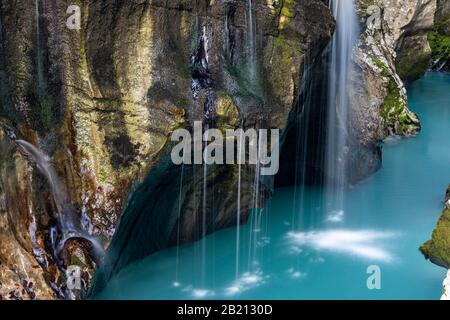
[245, 282]
[366, 244]
[335, 216]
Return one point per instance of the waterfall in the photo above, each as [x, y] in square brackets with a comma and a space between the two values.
[180, 204]
[255, 217]
[340, 64]
[251, 41]
[39, 66]
[238, 206]
[204, 214]
[69, 225]
[45, 166]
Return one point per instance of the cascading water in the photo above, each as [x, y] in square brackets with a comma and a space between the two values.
[238, 206]
[69, 225]
[251, 42]
[45, 166]
[340, 64]
[39, 65]
[176, 283]
[204, 212]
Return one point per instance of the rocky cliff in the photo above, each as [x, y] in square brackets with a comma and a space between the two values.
[100, 102]
[437, 250]
[86, 114]
[393, 50]
[440, 37]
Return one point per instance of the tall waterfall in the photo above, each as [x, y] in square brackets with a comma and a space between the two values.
[340, 64]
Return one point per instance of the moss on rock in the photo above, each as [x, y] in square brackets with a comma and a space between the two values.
[437, 250]
[411, 67]
[396, 114]
[227, 113]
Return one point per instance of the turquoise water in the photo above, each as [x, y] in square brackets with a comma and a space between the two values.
[308, 251]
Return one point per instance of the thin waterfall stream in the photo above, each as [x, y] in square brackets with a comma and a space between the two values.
[252, 43]
[39, 63]
[69, 224]
[238, 208]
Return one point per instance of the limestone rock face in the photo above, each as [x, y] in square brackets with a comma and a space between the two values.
[442, 16]
[101, 101]
[22, 275]
[393, 49]
[412, 47]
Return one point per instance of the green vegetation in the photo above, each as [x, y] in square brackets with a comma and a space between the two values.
[440, 45]
[396, 114]
[380, 64]
[438, 248]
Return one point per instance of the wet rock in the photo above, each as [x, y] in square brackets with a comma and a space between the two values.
[217, 86]
[18, 265]
[437, 250]
[440, 37]
[102, 101]
[413, 50]
[79, 263]
[385, 59]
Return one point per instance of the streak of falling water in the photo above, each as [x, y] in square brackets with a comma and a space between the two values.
[304, 121]
[336, 155]
[240, 158]
[70, 226]
[252, 41]
[205, 177]
[180, 203]
[45, 166]
[255, 220]
[39, 66]
[227, 35]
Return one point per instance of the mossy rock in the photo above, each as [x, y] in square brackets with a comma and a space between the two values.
[413, 66]
[396, 114]
[437, 250]
[381, 65]
[227, 113]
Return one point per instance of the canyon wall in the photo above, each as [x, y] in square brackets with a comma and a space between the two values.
[393, 50]
[437, 249]
[102, 101]
[440, 37]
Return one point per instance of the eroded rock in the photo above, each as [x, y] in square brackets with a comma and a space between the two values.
[102, 101]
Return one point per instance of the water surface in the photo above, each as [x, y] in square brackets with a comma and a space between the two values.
[300, 248]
